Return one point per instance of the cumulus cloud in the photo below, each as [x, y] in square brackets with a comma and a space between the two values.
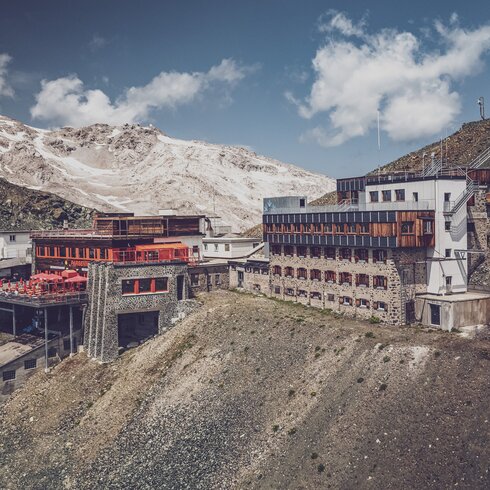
[5, 89]
[66, 100]
[358, 73]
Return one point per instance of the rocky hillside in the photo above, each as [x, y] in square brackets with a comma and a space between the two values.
[248, 392]
[27, 209]
[140, 169]
[460, 148]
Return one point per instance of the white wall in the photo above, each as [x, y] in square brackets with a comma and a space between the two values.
[432, 191]
[20, 248]
[237, 249]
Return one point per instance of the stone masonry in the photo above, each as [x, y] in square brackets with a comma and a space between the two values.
[404, 272]
[106, 302]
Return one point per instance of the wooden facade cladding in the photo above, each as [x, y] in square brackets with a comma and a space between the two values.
[357, 229]
[421, 234]
[154, 226]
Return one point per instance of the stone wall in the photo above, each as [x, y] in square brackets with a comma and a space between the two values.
[479, 263]
[106, 302]
[404, 271]
[204, 278]
[255, 279]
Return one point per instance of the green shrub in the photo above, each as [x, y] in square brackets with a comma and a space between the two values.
[369, 335]
[374, 319]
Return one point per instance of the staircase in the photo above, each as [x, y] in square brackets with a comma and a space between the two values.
[482, 158]
[463, 198]
[433, 168]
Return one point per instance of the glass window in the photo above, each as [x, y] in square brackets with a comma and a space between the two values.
[62, 251]
[8, 375]
[144, 285]
[91, 253]
[194, 279]
[128, 286]
[12, 238]
[81, 253]
[227, 247]
[30, 363]
[52, 252]
[400, 194]
[386, 196]
[407, 227]
[161, 284]
[373, 196]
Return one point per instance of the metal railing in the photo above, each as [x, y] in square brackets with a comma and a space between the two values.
[482, 158]
[422, 205]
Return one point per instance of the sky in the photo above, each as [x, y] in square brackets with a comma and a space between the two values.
[304, 82]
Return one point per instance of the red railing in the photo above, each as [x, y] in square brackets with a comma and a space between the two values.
[132, 256]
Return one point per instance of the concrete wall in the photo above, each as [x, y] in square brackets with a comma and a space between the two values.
[455, 314]
[106, 301]
[22, 374]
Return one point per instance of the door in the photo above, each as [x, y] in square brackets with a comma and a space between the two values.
[410, 312]
[435, 314]
[240, 279]
[180, 288]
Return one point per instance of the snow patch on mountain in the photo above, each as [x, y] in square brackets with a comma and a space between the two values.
[141, 169]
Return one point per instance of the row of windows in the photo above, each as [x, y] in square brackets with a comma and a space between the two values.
[145, 286]
[196, 282]
[72, 252]
[343, 300]
[10, 374]
[359, 254]
[386, 195]
[319, 228]
[406, 228]
[344, 278]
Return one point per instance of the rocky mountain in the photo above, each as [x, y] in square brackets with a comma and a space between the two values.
[249, 393]
[28, 209]
[459, 148]
[140, 169]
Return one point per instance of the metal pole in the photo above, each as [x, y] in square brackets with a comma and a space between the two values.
[46, 368]
[71, 330]
[14, 330]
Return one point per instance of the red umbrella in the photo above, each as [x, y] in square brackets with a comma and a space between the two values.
[42, 276]
[69, 273]
[76, 279]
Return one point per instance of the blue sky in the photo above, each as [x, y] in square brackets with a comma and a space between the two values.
[422, 64]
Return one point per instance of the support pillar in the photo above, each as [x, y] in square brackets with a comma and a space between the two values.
[46, 368]
[71, 331]
[14, 329]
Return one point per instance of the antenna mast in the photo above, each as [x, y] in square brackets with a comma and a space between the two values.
[481, 103]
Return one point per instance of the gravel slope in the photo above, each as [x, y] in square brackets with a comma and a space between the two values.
[249, 392]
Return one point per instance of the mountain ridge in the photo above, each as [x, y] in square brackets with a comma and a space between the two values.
[141, 169]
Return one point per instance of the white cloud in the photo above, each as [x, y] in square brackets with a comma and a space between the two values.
[97, 42]
[5, 89]
[66, 101]
[391, 71]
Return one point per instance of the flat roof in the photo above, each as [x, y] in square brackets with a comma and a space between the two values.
[231, 239]
[17, 348]
[456, 297]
